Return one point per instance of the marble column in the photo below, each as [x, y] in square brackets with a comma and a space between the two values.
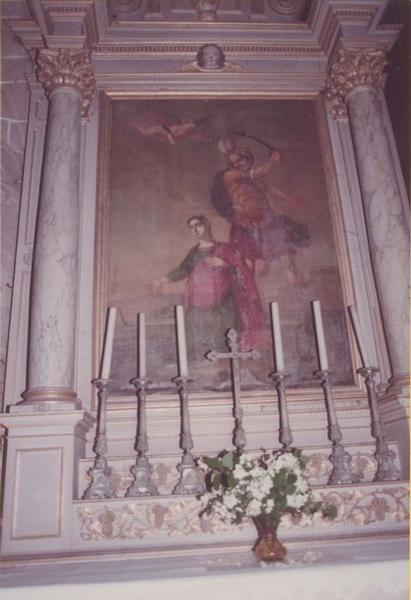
[354, 83]
[68, 82]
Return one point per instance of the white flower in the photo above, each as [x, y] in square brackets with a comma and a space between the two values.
[221, 511]
[239, 472]
[269, 505]
[254, 508]
[256, 491]
[245, 460]
[285, 461]
[201, 464]
[229, 501]
[257, 472]
[296, 500]
[301, 486]
[266, 484]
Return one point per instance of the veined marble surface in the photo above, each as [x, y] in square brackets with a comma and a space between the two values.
[55, 272]
[387, 225]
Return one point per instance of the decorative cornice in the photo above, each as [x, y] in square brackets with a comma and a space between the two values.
[131, 49]
[67, 68]
[353, 69]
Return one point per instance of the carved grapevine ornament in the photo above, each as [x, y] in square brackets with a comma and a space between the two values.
[352, 69]
[67, 68]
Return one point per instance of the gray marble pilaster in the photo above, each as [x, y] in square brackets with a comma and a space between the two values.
[354, 83]
[386, 222]
[54, 288]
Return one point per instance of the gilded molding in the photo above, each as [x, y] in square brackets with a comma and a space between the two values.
[67, 68]
[353, 69]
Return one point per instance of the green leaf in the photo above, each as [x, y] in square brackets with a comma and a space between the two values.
[216, 483]
[231, 480]
[228, 460]
[213, 463]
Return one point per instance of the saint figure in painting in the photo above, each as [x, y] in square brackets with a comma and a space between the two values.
[241, 194]
[220, 293]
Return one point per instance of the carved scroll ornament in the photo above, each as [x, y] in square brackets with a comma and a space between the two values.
[353, 69]
[67, 68]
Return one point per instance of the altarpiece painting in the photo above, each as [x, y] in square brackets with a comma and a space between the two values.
[221, 205]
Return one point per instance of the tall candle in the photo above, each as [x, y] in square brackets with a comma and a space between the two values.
[108, 343]
[278, 344]
[319, 330]
[359, 336]
[181, 342]
[141, 367]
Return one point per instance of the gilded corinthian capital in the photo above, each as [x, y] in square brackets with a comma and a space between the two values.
[67, 68]
[353, 69]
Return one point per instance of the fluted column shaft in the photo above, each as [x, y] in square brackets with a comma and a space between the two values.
[354, 81]
[54, 291]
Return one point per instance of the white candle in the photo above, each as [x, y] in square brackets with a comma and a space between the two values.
[108, 343]
[181, 342]
[278, 343]
[319, 330]
[141, 366]
[359, 336]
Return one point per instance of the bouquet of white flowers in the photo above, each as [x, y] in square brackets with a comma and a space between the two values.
[264, 487]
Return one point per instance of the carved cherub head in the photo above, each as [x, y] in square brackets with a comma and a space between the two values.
[210, 57]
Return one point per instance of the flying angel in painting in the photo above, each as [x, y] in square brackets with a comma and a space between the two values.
[166, 127]
[242, 195]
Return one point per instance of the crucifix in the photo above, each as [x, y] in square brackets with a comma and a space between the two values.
[234, 356]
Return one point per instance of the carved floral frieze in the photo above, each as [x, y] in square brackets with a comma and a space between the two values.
[142, 520]
[353, 69]
[67, 68]
[136, 520]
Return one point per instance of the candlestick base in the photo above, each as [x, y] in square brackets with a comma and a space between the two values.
[101, 485]
[141, 471]
[340, 459]
[386, 470]
[142, 484]
[190, 481]
[342, 471]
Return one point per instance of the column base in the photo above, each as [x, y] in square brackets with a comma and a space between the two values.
[46, 400]
[40, 478]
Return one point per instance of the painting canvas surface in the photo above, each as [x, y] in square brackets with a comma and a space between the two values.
[252, 173]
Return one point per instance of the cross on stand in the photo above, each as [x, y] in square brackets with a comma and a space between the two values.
[234, 356]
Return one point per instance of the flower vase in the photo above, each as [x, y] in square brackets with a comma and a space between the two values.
[268, 547]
